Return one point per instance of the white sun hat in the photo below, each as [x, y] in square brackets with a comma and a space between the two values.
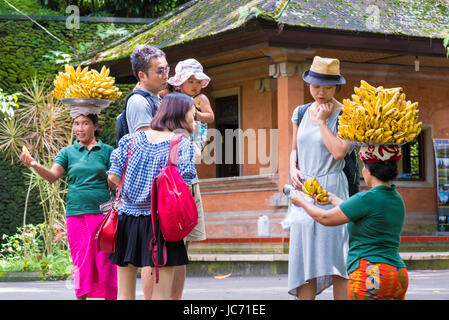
[187, 68]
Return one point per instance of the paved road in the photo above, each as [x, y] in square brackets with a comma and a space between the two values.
[423, 285]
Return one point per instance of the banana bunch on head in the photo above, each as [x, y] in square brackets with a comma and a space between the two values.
[313, 188]
[85, 83]
[379, 115]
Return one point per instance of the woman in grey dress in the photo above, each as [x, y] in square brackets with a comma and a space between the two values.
[317, 254]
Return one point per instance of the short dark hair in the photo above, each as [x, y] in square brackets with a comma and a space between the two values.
[384, 171]
[141, 58]
[94, 119]
[171, 114]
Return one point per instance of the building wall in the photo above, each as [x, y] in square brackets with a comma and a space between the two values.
[235, 213]
[258, 109]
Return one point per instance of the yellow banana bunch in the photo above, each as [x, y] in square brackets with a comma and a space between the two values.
[313, 188]
[85, 83]
[379, 115]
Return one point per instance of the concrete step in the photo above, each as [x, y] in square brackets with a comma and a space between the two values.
[280, 245]
[275, 264]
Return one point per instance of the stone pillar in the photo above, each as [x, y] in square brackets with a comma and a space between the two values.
[290, 87]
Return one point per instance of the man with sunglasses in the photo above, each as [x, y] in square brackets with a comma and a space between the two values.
[150, 67]
[151, 70]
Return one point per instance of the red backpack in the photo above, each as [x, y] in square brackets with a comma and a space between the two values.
[172, 205]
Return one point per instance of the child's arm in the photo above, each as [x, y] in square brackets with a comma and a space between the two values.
[206, 114]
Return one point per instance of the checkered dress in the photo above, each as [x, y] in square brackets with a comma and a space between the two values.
[144, 165]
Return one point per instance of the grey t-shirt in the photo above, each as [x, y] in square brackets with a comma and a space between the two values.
[139, 111]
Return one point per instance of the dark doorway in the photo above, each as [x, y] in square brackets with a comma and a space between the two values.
[227, 118]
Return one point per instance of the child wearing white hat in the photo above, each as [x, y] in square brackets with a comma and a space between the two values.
[189, 79]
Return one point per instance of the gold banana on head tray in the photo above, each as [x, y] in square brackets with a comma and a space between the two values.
[378, 115]
[85, 83]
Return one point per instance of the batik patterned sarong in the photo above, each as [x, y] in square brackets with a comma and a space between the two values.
[377, 281]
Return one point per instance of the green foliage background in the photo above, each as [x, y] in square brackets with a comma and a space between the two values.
[104, 8]
[26, 51]
[13, 190]
[118, 8]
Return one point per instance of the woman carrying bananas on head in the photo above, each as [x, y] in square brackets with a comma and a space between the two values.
[375, 219]
[84, 163]
[317, 254]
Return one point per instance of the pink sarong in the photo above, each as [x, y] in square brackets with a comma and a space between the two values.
[93, 273]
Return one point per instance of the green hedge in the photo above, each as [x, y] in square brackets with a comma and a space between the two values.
[25, 52]
[29, 7]
[13, 191]
[25, 49]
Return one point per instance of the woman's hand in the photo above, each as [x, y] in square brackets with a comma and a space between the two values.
[297, 178]
[329, 217]
[334, 144]
[321, 203]
[27, 160]
[51, 175]
[324, 111]
[333, 199]
[297, 199]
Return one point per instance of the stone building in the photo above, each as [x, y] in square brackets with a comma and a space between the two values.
[255, 52]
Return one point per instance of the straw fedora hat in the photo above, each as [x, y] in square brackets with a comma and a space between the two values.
[324, 72]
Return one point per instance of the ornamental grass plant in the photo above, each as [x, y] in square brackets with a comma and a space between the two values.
[43, 125]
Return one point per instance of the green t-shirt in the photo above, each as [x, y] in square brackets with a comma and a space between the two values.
[377, 217]
[87, 178]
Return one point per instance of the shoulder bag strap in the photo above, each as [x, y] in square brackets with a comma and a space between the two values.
[117, 197]
[174, 150]
[144, 94]
[301, 111]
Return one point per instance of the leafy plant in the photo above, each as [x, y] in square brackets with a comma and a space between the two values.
[29, 7]
[12, 137]
[118, 8]
[414, 159]
[44, 126]
[23, 251]
[26, 244]
[110, 31]
[8, 102]
[58, 57]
